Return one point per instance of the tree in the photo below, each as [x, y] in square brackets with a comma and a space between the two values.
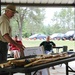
[29, 20]
[64, 19]
[34, 20]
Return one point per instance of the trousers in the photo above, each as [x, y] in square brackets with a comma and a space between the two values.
[3, 51]
[3, 54]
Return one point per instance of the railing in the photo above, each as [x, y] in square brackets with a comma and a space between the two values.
[64, 48]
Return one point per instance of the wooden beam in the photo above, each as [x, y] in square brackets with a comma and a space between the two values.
[41, 4]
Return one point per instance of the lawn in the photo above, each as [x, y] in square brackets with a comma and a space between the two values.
[32, 43]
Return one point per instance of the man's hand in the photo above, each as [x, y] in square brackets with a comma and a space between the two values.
[22, 48]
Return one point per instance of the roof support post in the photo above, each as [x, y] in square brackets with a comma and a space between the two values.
[0, 7]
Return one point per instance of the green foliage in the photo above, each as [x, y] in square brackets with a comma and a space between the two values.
[14, 27]
[33, 21]
[64, 20]
[29, 21]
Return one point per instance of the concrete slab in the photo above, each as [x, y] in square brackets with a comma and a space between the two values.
[58, 70]
[61, 70]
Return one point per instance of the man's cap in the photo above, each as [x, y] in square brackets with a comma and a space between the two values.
[11, 7]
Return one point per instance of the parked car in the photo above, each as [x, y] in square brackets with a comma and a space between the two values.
[69, 35]
[74, 37]
[38, 36]
[57, 36]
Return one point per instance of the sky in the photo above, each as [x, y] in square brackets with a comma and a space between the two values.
[49, 14]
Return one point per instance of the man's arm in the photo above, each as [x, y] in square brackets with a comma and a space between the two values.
[54, 45]
[42, 43]
[10, 40]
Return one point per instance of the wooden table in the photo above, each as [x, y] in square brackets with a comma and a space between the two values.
[41, 66]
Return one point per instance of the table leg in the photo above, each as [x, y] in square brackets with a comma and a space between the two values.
[48, 71]
[11, 73]
[27, 73]
[57, 50]
[67, 73]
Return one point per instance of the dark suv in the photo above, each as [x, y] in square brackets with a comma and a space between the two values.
[69, 35]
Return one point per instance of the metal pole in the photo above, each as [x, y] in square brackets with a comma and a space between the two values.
[67, 73]
[0, 7]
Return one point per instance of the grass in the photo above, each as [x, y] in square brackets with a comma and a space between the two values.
[32, 43]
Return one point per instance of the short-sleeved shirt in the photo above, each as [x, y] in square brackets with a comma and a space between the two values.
[47, 45]
[13, 47]
[4, 27]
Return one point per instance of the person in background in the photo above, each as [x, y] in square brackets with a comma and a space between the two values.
[15, 50]
[5, 33]
[48, 46]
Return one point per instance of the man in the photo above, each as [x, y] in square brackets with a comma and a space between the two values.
[5, 32]
[48, 46]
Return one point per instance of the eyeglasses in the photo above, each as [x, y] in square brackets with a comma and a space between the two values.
[13, 12]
